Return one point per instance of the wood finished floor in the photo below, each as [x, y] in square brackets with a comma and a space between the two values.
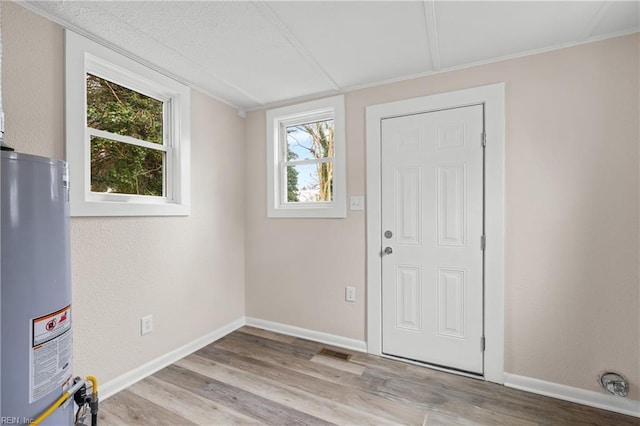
[254, 376]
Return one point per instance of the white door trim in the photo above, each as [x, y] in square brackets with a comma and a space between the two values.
[493, 98]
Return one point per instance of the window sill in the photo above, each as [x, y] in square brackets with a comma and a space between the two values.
[332, 211]
[124, 208]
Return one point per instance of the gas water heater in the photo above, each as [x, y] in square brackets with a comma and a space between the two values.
[36, 313]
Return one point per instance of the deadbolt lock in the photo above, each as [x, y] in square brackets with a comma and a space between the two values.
[388, 234]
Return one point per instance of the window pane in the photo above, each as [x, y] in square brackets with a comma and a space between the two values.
[122, 168]
[310, 141]
[310, 183]
[117, 109]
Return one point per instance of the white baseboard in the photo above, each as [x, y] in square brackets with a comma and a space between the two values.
[617, 404]
[119, 383]
[316, 336]
[129, 378]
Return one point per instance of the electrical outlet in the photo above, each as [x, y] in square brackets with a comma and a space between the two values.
[146, 325]
[350, 294]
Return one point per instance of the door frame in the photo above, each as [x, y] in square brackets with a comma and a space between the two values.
[492, 96]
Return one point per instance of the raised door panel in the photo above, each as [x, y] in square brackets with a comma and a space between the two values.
[408, 297]
[451, 205]
[408, 215]
[452, 302]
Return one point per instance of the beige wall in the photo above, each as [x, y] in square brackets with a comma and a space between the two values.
[572, 230]
[186, 271]
[572, 220]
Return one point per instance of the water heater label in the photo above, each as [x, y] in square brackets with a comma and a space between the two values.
[50, 354]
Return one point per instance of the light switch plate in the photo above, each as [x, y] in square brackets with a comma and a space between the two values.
[350, 294]
[356, 202]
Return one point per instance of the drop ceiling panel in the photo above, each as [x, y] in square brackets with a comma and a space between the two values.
[360, 42]
[232, 40]
[252, 53]
[94, 20]
[618, 17]
[469, 32]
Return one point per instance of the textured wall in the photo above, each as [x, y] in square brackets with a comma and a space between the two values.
[297, 269]
[572, 185]
[573, 192]
[186, 271]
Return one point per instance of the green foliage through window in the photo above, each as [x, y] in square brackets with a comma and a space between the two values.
[292, 178]
[125, 169]
[116, 166]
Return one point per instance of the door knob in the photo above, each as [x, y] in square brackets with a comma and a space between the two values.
[388, 250]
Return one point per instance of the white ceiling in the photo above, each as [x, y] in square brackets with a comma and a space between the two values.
[256, 53]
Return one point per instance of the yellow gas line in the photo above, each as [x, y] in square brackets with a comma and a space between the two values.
[53, 407]
[65, 396]
[94, 384]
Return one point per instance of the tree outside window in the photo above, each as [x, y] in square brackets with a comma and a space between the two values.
[310, 153]
[127, 135]
[306, 148]
[117, 166]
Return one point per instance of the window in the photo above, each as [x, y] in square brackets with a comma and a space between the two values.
[306, 160]
[127, 135]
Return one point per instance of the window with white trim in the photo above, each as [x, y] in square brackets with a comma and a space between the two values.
[127, 135]
[306, 160]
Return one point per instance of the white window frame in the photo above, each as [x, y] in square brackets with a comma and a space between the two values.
[84, 56]
[281, 118]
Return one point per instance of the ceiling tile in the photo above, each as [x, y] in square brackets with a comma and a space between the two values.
[360, 42]
[476, 31]
[231, 40]
[252, 53]
[90, 18]
[619, 16]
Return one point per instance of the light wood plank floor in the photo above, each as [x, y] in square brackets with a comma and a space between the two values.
[254, 376]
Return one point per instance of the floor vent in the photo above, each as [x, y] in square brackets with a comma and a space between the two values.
[334, 354]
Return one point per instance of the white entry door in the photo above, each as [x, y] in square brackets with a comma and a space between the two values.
[432, 242]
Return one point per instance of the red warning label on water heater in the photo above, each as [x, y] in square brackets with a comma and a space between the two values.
[51, 326]
[50, 353]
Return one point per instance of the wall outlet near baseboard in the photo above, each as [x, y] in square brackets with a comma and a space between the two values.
[350, 294]
[146, 325]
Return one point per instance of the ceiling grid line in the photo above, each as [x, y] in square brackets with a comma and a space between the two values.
[257, 54]
[597, 19]
[70, 26]
[432, 33]
[275, 20]
[187, 59]
[85, 33]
